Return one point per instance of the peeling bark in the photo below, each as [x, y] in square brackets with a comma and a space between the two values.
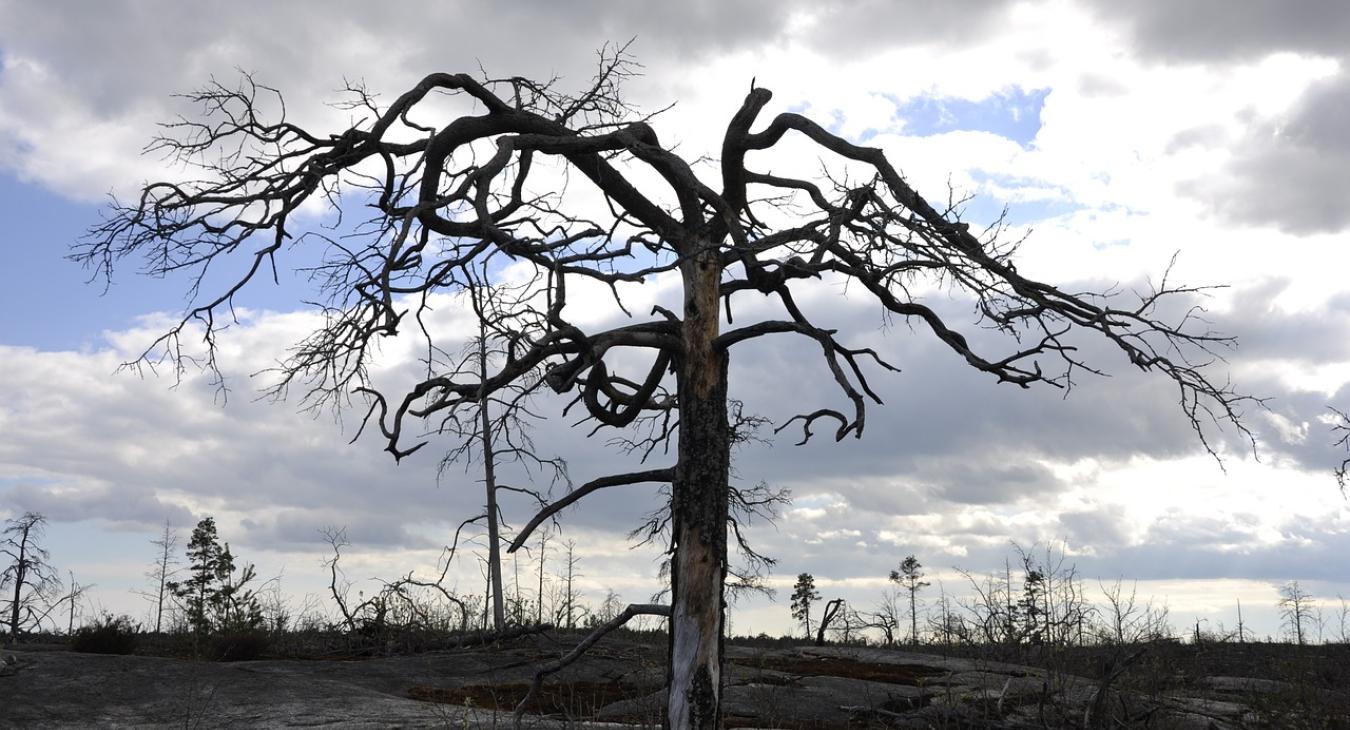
[699, 507]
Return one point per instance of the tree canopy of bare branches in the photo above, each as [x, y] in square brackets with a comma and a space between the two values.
[556, 193]
[28, 572]
[1341, 429]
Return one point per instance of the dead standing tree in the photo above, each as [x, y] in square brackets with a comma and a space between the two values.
[1341, 428]
[495, 431]
[496, 183]
[28, 572]
[163, 571]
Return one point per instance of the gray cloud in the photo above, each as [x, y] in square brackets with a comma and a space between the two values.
[939, 408]
[849, 27]
[128, 507]
[1263, 331]
[1102, 527]
[1195, 547]
[1290, 174]
[108, 72]
[116, 53]
[1217, 30]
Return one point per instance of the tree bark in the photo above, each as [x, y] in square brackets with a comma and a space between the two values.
[699, 503]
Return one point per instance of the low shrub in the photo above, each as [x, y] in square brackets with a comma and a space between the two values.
[238, 645]
[108, 634]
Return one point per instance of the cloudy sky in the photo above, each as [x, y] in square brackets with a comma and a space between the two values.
[1119, 134]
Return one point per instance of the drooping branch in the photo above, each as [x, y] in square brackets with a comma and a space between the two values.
[633, 609]
[572, 497]
[883, 234]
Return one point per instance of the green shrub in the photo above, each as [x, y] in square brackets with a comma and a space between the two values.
[108, 634]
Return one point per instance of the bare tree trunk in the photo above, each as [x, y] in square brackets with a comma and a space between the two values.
[74, 598]
[827, 615]
[1242, 638]
[490, 483]
[20, 575]
[166, 543]
[517, 606]
[543, 548]
[569, 598]
[159, 602]
[699, 507]
[913, 615]
[487, 598]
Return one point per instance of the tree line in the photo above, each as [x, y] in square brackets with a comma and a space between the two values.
[1040, 599]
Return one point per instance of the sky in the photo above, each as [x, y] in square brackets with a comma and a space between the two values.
[1117, 135]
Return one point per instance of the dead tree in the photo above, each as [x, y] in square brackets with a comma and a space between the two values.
[371, 614]
[828, 615]
[497, 433]
[885, 617]
[1297, 611]
[910, 576]
[543, 559]
[566, 614]
[29, 574]
[1341, 429]
[77, 592]
[493, 181]
[163, 570]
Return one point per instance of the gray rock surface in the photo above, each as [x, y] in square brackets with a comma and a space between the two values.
[798, 687]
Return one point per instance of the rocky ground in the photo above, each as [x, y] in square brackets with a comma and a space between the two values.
[619, 684]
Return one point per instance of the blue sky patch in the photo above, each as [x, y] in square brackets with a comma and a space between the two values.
[985, 207]
[1014, 114]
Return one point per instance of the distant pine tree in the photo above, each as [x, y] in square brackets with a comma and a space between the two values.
[910, 575]
[214, 599]
[803, 594]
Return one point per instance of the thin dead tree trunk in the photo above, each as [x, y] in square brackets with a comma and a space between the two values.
[543, 548]
[913, 615]
[159, 601]
[490, 484]
[699, 505]
[21, 574]
[1242, 638]
[166, 543]
[76, 593]
[569, 596]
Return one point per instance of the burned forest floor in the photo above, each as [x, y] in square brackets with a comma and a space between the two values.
[620, 684]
